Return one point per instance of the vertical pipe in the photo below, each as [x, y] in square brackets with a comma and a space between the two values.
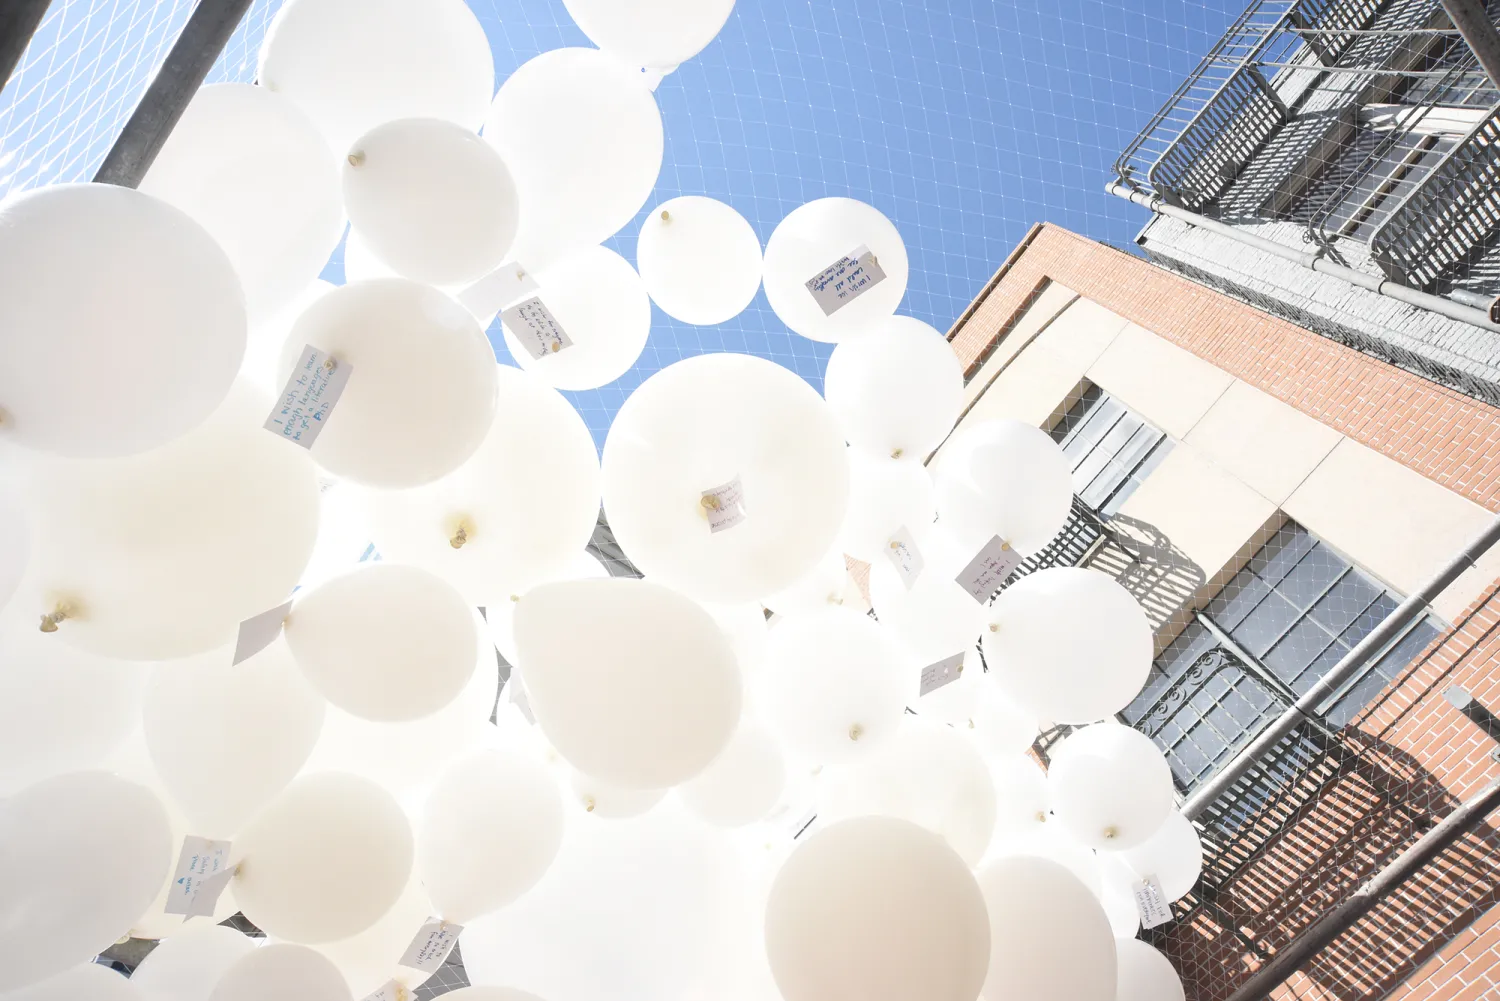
[192, 56]
[18, 22]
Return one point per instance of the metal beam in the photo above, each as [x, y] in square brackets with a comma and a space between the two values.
[1290, 958]
[1473, 22]
[18, 22]
[1306, 708]
[180, 76]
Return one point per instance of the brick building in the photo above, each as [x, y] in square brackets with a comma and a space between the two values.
[1270, 494]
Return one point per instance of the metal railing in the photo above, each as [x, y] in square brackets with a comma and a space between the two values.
[1202, 161]
[1451, 212]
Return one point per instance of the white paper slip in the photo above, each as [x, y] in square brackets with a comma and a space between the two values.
[1151, 902]
[533, 324]
[310, 395]
[904, 555]
[202, 873]
[724, 505]
[944, 672]
[431, 946]
[987, 571]
[845, 280]
[258, 632]
[505, 286]
[518, 697]
[391, 990]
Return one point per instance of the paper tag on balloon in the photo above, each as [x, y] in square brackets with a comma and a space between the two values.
[503, 287]
[724, 505]
[518, 698]
[944, 672]
[202, 872]
[309, 397]
[1151, 902]
[905, 556]
[845, 280]
[391, 990]
[430, 948]
[987, 571]
[258, 632]
[533, 324]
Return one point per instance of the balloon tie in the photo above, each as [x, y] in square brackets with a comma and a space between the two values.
[589, 804]
[356, 158]
[1110, 833]
[459, 538]
[994, 627]
[51, 619]
[856, 731]
[666, 216]
[897, 453]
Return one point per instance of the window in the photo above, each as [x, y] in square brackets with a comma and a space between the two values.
[1110, 449]
[1269, 635]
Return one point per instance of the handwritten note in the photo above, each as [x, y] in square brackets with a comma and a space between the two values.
[258, 632]
[1151, 902]
[308, 399]
[532, 323]
[944, 672]
[988, 570]
[431, 946]
[201, 875]
[391, 990]
[724, 505]
[904, 555]
[845, 280]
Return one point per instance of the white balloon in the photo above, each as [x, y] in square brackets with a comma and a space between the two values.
[491, 826]
[142, 358]
[15, 541]
[421, 390]
[1117, 894]
[431, 199]
[262, 365]
[1049, 936]
[897, 388]
[601, 303]
[1110, 786]
[1174, 855]
[163, 554]
[281, 970]
[385, 642]
[206, 727]
[700, 260]
[879, 909]
[61, 709]
[825, 584]
[324, 860]
[813, 238]
[343, 534]
[489, 994]
[405, 758]
[1145, 974]
[933, 619]
[1054, 844]
[705, 422]
[1041, 659]
[834, 684]
[608, 800]
[958, 701]
[1000, 724]
[648, 909]
[929, 774]
[630, 681]
[371, 959]
[1003, 478]
[745, 626]
[515, 514]
[186, 966]
[658, 34]
[500, 617]
[582, 135]
[254, 171]
[355, 64]
[1021, 796]
[81, 856]
[884, 497]
[85, 982]
[743, 784]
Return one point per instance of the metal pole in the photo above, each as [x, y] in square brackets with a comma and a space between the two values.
[1473, 22]
[1290, 958]
[180, 76]
[1305, 708]
[18, 22]
[1312, 260]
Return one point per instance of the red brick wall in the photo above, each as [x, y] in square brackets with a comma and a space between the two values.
[1410, 757]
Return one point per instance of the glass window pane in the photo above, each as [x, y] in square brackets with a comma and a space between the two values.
[1278, 556]
[1265, 624]
[1371, 617]
[1344, 603]
[1315, 573]
[1238, 598]
[1297, 656]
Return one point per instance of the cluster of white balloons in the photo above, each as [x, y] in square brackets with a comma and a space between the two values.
[725, 779]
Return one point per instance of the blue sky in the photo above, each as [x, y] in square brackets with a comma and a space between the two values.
[964, 121]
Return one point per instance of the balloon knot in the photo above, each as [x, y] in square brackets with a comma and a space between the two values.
[459, 538]
[897, 453]
[1110, 833]
[666, 216]
[51, 619]
[994, 627]
[356, 158]
[1041, 816]
[856, 731]
[589, 804]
